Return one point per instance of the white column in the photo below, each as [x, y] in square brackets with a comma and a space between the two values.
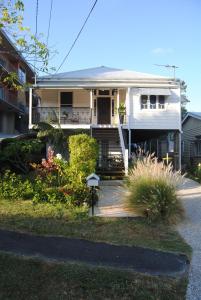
[30, 108]
[179, 150]
[128, 107]
[129, 143]
[128, 120]
[117, 100]
[91, 105]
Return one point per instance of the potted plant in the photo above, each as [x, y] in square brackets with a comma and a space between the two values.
[122, 112]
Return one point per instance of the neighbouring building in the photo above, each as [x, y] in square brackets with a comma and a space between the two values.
[191, 139]
[124, 110]
[13, 103]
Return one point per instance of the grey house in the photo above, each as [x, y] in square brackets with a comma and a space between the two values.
[191, 138]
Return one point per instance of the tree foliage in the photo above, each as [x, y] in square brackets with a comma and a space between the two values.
[30, 45]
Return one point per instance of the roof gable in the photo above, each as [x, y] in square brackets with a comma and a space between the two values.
[195, 115]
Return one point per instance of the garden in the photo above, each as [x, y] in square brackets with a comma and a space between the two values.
[49, 196]
[53, 180]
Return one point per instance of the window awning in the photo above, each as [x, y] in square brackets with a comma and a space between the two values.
[154, 91]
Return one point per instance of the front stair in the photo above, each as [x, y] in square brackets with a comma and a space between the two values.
[110, 160]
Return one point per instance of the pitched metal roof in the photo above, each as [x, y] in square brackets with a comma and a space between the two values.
[101, 73]
[196, 115]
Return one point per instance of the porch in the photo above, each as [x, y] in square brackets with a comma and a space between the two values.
[76, 108]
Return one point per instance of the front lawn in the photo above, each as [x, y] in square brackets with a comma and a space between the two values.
[22, 278]
[46, 219]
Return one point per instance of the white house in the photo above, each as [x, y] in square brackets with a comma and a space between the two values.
[90, 99]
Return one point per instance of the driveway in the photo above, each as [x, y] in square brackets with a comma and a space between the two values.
[190, 229]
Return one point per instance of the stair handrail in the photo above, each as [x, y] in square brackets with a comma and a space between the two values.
[123, 148]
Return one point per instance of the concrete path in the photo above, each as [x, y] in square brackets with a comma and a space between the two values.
[190, 229]
[111, 201]
[100, 254]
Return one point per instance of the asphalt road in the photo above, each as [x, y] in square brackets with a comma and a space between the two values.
[99, 254]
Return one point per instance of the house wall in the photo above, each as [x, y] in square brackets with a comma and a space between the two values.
[190, 128]
[51, 97]
[168, 118]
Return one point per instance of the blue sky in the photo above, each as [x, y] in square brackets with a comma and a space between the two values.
[128, 34]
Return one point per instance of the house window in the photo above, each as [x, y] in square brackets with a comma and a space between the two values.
[94, 92]
[2, 62]
[104, 92]
[152, 102]
[144, 102]
[95, 105]
[2, 94]
[112, 107]
[66, 99]
[161, 102]
[22, 75]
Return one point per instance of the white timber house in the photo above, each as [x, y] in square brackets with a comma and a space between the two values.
[124, 110]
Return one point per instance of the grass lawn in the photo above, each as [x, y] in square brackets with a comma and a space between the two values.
[33, 279]
[22, 279]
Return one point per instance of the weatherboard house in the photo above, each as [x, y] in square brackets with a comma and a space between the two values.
[124, 110]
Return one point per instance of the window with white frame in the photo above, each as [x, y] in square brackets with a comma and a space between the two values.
[161, 102]
[144, 102]
[152, 102]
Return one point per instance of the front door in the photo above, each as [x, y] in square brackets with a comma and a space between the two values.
[104, 110]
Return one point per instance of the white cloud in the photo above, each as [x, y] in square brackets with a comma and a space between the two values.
[159, 51]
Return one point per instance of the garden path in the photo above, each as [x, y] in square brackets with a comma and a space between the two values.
[111, 201]
[190, 229]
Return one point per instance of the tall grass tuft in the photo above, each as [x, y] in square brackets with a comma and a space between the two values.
[152, 186]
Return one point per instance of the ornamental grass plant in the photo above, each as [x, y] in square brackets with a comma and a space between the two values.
[152, 189]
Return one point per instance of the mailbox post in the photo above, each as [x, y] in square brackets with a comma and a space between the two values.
[92, 182]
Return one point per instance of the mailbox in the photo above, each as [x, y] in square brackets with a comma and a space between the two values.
[93, 180]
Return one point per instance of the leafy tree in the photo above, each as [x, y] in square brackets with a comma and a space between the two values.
[28, 44]
[184, 98]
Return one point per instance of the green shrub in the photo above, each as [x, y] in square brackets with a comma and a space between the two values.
[83, 157]
[12, 186]
[18, 154]
[152, 187]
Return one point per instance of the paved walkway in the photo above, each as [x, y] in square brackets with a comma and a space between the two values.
[111, 201]
[190, 229]
[99, 254]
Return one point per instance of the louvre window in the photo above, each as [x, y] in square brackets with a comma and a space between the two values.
[152, 102]
[144, 102]
[161, 102]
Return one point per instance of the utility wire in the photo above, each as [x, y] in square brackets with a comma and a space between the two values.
[73, 44]
[50, 18]
[36, 33]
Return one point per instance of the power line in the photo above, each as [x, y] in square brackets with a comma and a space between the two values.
[73, 44]
[36, 33]
[50, 18]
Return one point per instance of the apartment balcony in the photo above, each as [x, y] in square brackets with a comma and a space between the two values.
[62, 115]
